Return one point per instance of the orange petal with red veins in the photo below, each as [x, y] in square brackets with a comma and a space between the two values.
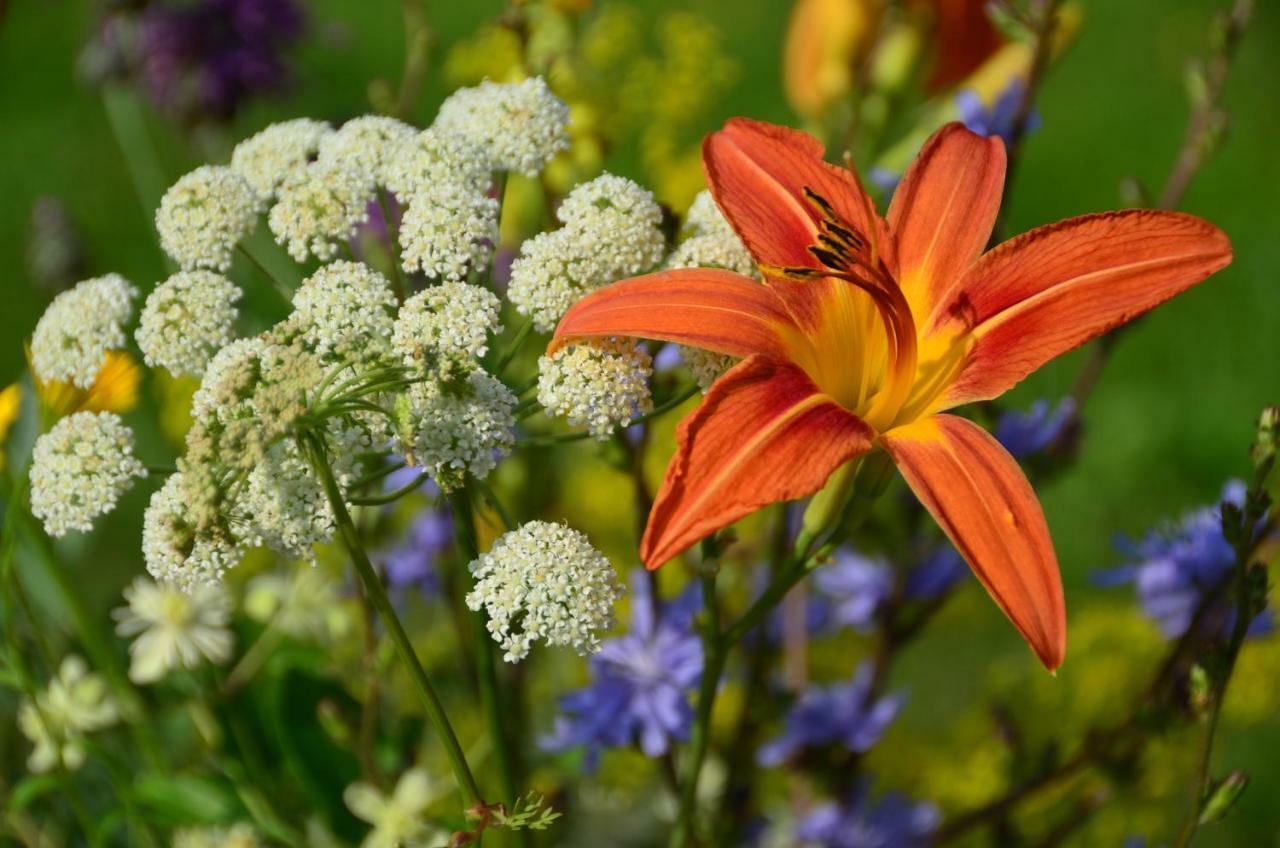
[758, 173]
[943, 211]
[1054, 288]
[983, 502]
[703, 307]
[763, 434]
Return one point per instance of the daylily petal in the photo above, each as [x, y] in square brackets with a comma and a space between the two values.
[943, 211]
[985, 505]
[1054, 288]
[763, 434]
[758, 173]
[703, 307]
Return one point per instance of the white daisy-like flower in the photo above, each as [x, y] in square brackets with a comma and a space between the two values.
[172, 628]
[521, 126]
[367, 144]
[447, 229]
[545, 582]
[80, 468]
[267, 159]
[204, 215]
[186, 320]
[346, 309]
[612, 229]
[459, 427]
[398, 820]
[75, 703]
[446, 324]
[73, 335]
[239, 835]
[320, 208]
[601, 384]
[173, 548]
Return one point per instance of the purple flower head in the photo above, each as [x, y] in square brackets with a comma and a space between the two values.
[999, 118]
[208, 57]
[893, 821]
[412, 563]
[668, 359]
[844, 714]
[938, 573]
[1175, 565]
[1040, 428]
[884, 179]
[641, 682]
[856, 587]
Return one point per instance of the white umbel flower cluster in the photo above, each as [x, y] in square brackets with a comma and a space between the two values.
[346, 310]
[601, 384]
[74, 334]
[75, 703]
[367, 144]
[520, 126]
[172, 628]
[173, 551]
[204, 215]
[186, 320]
[459, 427]
[545, 581]
[278, 153]
[446, 325]
[612, 229]
[320, 208]
[80, 468]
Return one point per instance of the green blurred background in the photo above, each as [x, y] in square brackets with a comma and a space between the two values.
[1171, 419]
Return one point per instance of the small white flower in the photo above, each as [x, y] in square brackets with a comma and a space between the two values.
[278, 153]
[320, 208]
[204, 215]
[173, 628]
[398, 820]
[367, 144]
[239, 835]
[450, 322]
[545, 582]
[80, 468]
[285, 505]
[73, 335]
[432, 157]
[612, 229]
[459, 427]
[173, 548]
[706, 366]
[75, 703]
[599, 383]
[346, 309]
[520, 126]
[447, 229]
[186, 320]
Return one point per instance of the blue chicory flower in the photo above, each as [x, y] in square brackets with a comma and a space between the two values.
[1025, 434]
[893, 821]
[641, 682]
[936, 574]
[856, 587]
[413, 562]
[844, 714]
[997, 119]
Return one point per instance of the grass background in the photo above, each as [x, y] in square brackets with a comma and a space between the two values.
[1170, 421]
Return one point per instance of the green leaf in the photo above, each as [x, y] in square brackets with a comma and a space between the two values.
[186, 798]
[29, 789]
[1222, 796]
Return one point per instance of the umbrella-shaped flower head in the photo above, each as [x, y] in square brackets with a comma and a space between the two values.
[867, 329]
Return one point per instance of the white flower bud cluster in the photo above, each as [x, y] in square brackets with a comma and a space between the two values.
[74, 334]
[446, 325]
[285, 506]
[75, 704]
[368, 145]
[320, 208]
[80, 468]
[520, 126]
[186, 320]
[612, 229]
[459, 427]
[277, 154]
[173, 548]
[346, 311]
[172, 628]
[204, 215]
[601, 384]
[545, 582]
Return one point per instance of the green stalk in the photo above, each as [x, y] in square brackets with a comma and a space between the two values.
[393, 246]
[124, 114]
[404, 647]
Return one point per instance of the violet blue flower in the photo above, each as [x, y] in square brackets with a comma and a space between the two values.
[856, 588]
[1038, 429]
[892, 821]
[997, 119]
[938, 573]
[413, 562]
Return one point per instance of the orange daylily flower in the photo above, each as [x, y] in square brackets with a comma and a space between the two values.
[867, 329]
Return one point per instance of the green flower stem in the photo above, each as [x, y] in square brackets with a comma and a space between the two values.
[390, 497]
[253, 660]
[276, 283]
[464, 537]
[124, 115]
[404, 647]
[521, 336]
[393, 246]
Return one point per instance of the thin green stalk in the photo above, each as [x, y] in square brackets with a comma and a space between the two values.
[404, 647]
[276, 283]
[124, 115]
[393, 246]
[464, 537]
[390, 497]
[521, 336]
